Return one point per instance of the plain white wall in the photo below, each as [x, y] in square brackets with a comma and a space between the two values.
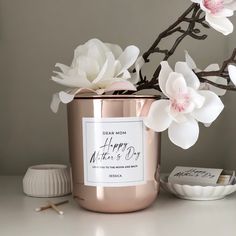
[34, 35]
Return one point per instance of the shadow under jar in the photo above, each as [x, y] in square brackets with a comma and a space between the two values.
[115, 159]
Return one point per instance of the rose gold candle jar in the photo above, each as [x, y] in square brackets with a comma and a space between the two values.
[114, 157]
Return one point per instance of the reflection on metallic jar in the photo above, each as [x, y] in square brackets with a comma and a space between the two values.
[114, 157]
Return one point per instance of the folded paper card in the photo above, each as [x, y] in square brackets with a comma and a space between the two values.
[201, 176]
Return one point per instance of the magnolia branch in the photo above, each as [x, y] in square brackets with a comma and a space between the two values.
[222, 72]
[226, 87]
[176, 27]
[192, 16]
[170, 30]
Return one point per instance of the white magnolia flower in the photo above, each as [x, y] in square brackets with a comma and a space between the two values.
[232, 73]
[97, 67]
[215, 79]
[185, 107]
[217, 12]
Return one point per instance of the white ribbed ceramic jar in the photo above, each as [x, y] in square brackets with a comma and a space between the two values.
[47, 181]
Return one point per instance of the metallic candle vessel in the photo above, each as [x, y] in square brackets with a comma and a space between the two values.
[115, 159]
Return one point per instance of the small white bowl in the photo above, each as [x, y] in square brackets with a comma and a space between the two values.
[47, 181]
[198, 193]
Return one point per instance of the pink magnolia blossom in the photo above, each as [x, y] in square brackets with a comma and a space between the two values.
[217, 12]
[185, 106]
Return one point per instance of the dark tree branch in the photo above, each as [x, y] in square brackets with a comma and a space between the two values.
[186, 26]
[191, 17]
[168, 31]
[226, 87]
[222, 72]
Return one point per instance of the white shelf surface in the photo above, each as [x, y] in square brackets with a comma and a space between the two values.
[168, 216]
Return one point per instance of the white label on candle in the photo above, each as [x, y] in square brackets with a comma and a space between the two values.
[113, 151]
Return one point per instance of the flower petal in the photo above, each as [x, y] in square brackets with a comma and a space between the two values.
[218, 80]
[100, 91]
[202, 5]
[89, 66]
[190, 77]
[215, 79]
[177, 116]
[94, 48]
[231, 5]
[212, 67]
[128, 58]
[55, 102]
[138, 65]
[184, 134]
[196, 1]
[227, 1]
[189, 60]
[232, 73]
[98, 55]
[222, 24]
[81, 50]
[126, 75]
[176, 85]
[66, 97]
[207, 125]
[116, 49]
[119, 86]
[85, 90]
[164, 75]
[64, 68]
[224, 13]
[211, 108]
[76, 81]
[158, 118]
[197, 98]
[108, 70]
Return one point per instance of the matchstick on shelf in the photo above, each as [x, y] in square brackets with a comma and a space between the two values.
[52, 205]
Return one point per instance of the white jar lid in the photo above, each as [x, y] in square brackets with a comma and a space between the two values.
[47, 181]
